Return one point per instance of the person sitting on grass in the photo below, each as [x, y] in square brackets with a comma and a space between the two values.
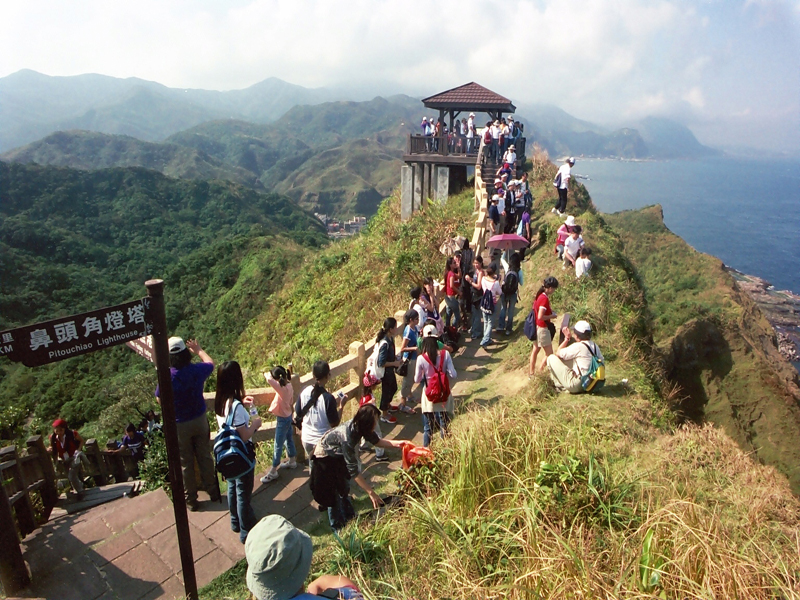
[584, 264]
[572, 247]
[571, 361]
[279, 561]
[335, 461]
[562, 234]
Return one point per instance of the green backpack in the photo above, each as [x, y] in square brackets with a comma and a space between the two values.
[595, 379]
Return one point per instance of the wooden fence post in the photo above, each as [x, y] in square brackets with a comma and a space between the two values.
[13, 572]
[23, 507]
[357, 372]
[92, 452]
[49, 489]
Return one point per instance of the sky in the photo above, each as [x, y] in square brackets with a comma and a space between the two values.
[729, 69]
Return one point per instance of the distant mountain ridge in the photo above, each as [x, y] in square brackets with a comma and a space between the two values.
[336, 156]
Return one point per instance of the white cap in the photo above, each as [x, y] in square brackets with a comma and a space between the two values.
[583, 327]
[471, 114]
[176, 345]
[571, 160]
[430, 331]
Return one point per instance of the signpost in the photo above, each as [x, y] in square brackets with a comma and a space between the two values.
[142, 325]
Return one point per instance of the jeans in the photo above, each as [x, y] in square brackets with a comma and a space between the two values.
[488, 322]
[429, 421]
[73, 469]
[452, 311]
[194, 442]
[339, 515]
[477, 315]
[507, 306]
[283, 436]
[243, 519]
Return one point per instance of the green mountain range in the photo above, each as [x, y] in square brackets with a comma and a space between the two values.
[72, 241]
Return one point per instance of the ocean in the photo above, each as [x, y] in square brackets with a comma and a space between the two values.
[746, 212]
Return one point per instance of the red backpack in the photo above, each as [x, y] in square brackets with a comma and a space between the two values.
[438, 388]
[487, 137]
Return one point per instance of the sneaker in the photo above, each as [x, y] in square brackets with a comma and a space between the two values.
[389, 419]
[271, 475]
[563, 267]
[393, 408]
[288, 464]
[193, 505]
[382, 458]
[508, 333]
[554, 210]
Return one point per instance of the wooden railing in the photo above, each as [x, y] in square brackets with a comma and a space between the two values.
[443, 145]
[27, 496]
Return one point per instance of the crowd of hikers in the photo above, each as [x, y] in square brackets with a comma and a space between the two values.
[474, 299]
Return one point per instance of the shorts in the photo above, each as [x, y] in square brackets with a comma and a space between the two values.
[543, 337]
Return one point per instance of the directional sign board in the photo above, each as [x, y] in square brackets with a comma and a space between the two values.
[143, 347]
[55, 340]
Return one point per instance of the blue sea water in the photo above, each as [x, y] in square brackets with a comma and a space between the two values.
[746, 212]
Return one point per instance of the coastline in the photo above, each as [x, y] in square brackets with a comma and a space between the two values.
[781, 307]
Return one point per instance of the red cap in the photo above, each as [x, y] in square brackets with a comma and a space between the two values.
[59, 423]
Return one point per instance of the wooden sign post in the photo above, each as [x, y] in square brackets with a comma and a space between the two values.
[142, 324]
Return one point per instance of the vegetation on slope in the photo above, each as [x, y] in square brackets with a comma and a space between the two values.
[72, 241]
[544, 495]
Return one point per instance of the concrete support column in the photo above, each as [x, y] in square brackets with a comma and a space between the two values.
[419, 172]
[428, 193]
[406, 192]
[442, 184]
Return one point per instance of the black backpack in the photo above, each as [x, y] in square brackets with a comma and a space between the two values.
[511, 284]
[487, 301]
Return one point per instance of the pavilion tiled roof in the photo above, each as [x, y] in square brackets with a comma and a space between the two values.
[469, 96]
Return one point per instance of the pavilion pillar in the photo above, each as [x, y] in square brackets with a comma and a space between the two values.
[442, 184]
[416, 200]
[406, 192]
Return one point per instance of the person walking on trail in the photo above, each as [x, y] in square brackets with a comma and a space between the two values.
[434, 360]
[411, 321]
[194, 434]
[282, 406]
[510, 294]
[572, 360]
[385, 364]
[562, 184]
[335, 461]
[230, 398]
[467, 257]
[316, 409]
[545, 330]
[452, 284]
[66, 446]
[279, 561]
[489, 299]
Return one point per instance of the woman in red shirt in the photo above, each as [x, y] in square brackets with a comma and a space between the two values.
[544, 314]
[452, 282]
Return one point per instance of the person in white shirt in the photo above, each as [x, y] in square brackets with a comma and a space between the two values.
[434, 353]
[510, 156]
[573, 360]
[562, 183]
[318, 410]
[470, 133]
[572, 247]
[583, 264]
[497, 129]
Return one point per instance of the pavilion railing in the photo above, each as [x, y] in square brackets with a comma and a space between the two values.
[454, 145]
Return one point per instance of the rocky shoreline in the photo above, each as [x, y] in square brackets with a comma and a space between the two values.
[781, 307]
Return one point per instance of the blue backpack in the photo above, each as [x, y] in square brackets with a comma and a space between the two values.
[234, 457]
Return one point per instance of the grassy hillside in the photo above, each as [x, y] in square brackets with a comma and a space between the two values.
[72, 241]
[538, 494]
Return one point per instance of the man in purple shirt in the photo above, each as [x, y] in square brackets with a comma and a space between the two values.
[194, 435]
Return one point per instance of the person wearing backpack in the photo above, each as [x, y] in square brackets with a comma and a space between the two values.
[543, 315]
[510, 289]
[489, 300]
[282, 407]
[572, 364]
[316, 410]
[229, 406]
[435, 367]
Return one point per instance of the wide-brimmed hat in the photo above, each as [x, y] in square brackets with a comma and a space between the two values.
[278, 558]
[176, 345]
[569, 221]
[512, 147]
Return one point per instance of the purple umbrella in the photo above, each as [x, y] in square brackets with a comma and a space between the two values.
[507, 241]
